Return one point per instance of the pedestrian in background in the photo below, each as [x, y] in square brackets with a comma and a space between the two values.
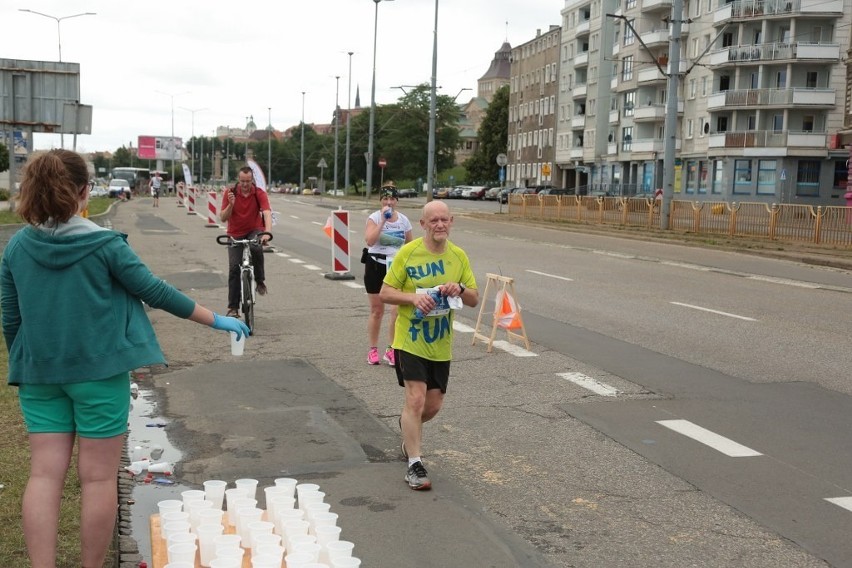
[155, 184]
[387, 230]
[71, 295]
[424, 326]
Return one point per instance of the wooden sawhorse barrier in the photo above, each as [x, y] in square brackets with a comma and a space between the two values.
[506, 285]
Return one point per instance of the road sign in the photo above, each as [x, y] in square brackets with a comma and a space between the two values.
[322, 163]
[502, 175]
[545, 169]
[783, 175]
[382, 162]
[502, 160]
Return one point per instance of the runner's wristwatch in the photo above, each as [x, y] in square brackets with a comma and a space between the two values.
[463, 288]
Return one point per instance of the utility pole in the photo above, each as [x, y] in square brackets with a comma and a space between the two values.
[670, 125]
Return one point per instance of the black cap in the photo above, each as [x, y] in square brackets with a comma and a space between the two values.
[390, 191]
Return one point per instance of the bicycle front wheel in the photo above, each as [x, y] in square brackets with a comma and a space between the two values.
[248, 300]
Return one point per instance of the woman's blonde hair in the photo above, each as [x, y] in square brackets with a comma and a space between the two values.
[51, 184]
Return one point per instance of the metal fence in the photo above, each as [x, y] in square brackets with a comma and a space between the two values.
[829, 224]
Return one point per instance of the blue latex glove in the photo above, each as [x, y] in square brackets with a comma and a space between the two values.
[225, 323]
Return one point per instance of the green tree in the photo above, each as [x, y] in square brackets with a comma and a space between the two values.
[493, 135]
[4, 158]
[121, 158]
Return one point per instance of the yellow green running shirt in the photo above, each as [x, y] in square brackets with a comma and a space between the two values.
[415, 267]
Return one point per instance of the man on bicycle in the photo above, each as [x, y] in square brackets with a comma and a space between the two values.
[245, 208]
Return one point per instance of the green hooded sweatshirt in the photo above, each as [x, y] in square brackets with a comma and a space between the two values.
[72, 298]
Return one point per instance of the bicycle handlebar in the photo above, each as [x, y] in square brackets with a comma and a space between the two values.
[230, 241]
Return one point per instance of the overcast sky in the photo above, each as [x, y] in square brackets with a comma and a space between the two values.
[235, 59]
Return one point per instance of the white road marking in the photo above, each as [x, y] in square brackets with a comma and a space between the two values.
[282, 254]
[462, 328]
[312, 267]
[845, 502]
[706, 437]
[353, 285]
[318, 223]
[713, 311]
[550, 275]
[589, 383]
[297, 261]
[293, 217]
[785, 281]
[513, 349]
[685, 265]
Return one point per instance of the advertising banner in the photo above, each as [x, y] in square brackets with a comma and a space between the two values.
[187, 175]
[160, 148]
[259, 178]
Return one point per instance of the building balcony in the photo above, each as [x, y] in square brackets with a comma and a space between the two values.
[750, 9]
[772, 98]
[650, 75]
[613, 83]
[777, 51]
[655, 38]
[652, 5]
[653, 112]
[576, 153]
[613, 116]
[651, 145]
[581, 59]
[582, 28]
[578, 121]
[579, 91]
[768, 139]
[611, 149]
[570, 4]
[616, 47]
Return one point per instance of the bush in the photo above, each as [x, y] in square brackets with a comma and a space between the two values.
[4, 194]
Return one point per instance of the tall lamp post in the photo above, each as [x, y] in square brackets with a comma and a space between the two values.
[192, 111]
[430, 156]
[58, 31]
[302, 155]
[373, 103]
[269, 151]
[172, 141]
[336, 126]
[348, 125]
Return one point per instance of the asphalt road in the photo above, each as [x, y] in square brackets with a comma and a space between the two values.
[679, 407]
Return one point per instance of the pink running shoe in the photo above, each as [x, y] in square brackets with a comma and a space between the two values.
[373, 356]
[390, 357]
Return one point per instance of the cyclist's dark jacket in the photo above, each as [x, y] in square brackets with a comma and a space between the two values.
[72, 305]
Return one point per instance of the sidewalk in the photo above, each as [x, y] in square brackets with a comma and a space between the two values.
[273, 413]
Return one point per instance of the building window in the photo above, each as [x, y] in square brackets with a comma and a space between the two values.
[692, 88]
[701, 124]
[629, 4]
[841, 175]
[626, 138]
[808, 123]
[689, 128]
[627, 68]
[766, 177]
[691, 175]
[722, 124]
[778, 122]
[629, 36]
[629, 102]
[742, 176]
[704, 86]
[807, 178]
[811, 79]
[718, 174]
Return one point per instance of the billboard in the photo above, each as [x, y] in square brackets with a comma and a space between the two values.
[21, 142]
[160, 148]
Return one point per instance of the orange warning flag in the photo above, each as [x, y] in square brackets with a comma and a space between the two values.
[327, 227]
[507, 311]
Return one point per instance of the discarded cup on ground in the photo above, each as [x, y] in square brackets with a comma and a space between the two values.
[137, 467]
[162, 467]
[237, 345]
[137, 454]
[156, 452]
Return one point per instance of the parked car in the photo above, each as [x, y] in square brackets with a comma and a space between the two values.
[492, 193]
[440, 192]
[337, 192]
[118, 187]
[504, 195]
[556, 191]
[474, 192]
[456, 192]
[98, 191]
[407, 192]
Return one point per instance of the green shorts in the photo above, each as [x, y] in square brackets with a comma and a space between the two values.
[92, 409]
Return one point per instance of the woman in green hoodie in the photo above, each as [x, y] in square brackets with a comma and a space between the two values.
[75, 327]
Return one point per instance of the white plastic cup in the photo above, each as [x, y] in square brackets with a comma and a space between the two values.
[338, 549]
[226, 563]
[194, 508]
[322, 519]
[287, 515]
[275, 550]
[288, 482]
[298, 559]
[246, 516]
[345, 562]
[168, 506]
[293, 528]
[192, 495]
[307, 497]
[313, 508]
[182, 552]
[137, 454]
[310, 547]
[234, 556]
[214, 490]
[257, 528]
[300, 487]
[210, 516]
[207, 542]
[231, 498]
[171, 517]
[276, 504]
[175, 527]
[177, 537]
[162, 467]
[248, 486]
[242, 503]
[228, 540]
[265, 561]
[237, 345]
[326, 534]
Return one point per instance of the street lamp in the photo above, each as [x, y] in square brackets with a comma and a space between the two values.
[373, 102]
[302, 156]
[430, 156]
[58, 32]
[192, 111]
[336, 126]
[172, 141]
[269, 151]
[348, 124]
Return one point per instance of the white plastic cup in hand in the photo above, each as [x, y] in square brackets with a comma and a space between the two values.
[207, 542]
[237, 345]
[182, 552]
[214, 490]
[345, 562]
[249, 487]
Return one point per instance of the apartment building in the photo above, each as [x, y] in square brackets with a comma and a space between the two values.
[761, 99]
[533, 87]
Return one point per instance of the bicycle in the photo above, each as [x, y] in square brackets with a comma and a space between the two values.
[247, 283]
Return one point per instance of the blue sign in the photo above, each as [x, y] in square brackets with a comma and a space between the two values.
[502, 175]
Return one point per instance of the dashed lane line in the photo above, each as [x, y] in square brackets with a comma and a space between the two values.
[744, 318]
[282, 254]
[509, 348]
[550, 275]
[717, 442]
[589, 383]
[312, 267]
[297, 261]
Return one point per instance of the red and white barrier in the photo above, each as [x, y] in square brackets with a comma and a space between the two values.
[340, 257]
[190, 201]
[180, 195]
[211, 210]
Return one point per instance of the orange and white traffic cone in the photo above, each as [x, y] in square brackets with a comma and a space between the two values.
[507, 310]
[327, 227]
